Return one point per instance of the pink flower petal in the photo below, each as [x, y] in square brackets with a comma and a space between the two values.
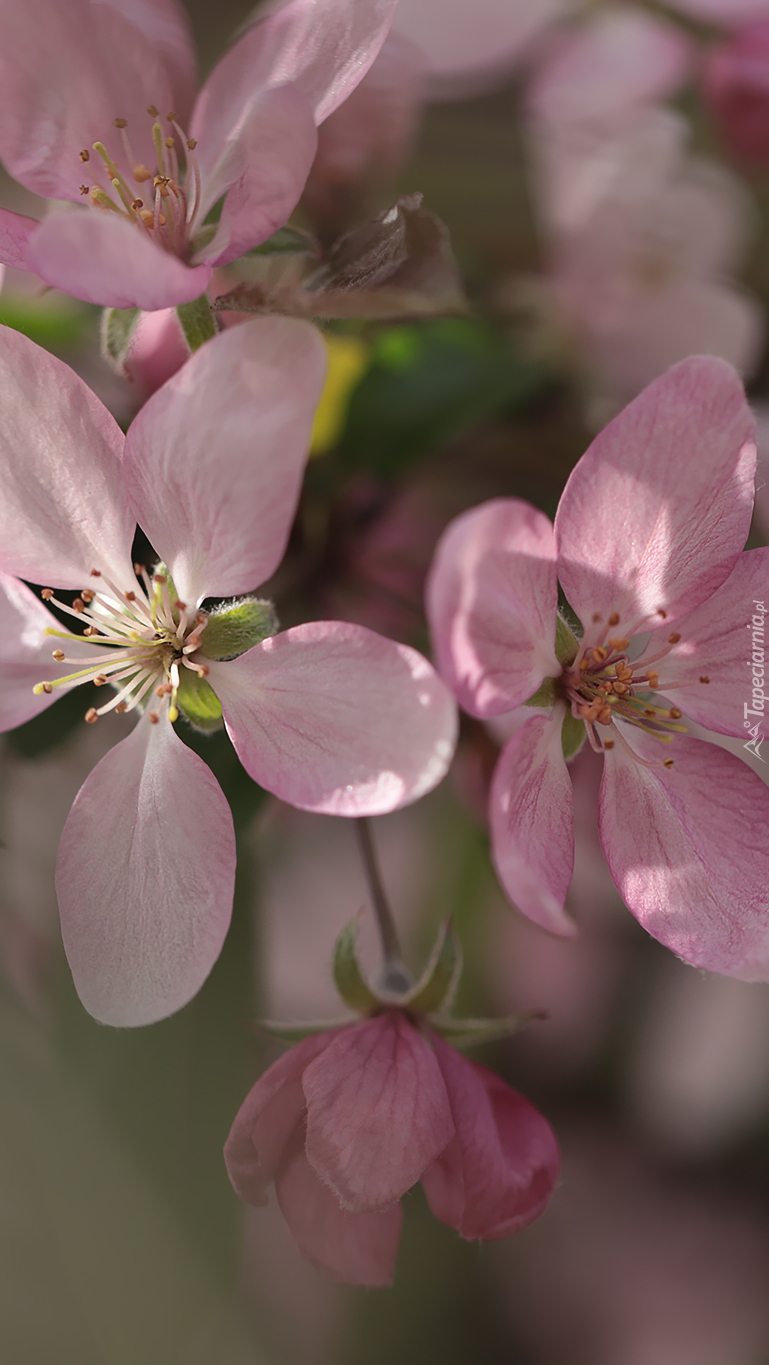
[104, 259]
[491, 602]
[716, 643]
[657, 510]
[63, 511]
[687, 848]
[263, 171]
[325, 47]
[662, 326]
[214, 461]
[352, 1248]
[471, 40]
[15, 235]
[25, 653]
[266, 1120]
[333, 718]
[531, 815]
[165, 25]
[145, 878]
[67, 71]
[616, 60]
[374, 127]
[499, 1172]
[377, 1111]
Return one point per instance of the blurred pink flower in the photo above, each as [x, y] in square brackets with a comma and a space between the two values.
[646, 1266]
[349, 1119]
[370, 134]
[81, 78]
[649, 529]
[737, 87]
[327, 715]
[641, 237]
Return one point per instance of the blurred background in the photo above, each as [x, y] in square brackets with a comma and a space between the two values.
[602, 171]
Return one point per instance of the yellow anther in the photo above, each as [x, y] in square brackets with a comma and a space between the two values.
[120, 122]
[675, 714]
[91, 715]
[152, 110]
[140, 174]
[59, 655]
[674, 638]
[47, 594]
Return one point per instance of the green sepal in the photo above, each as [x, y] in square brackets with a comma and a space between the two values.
[291, 1031]
[197, 322]
[198, 702]
[233, 630]
[118, 326]
[438, 983]
[545, 694]
[465, 1032]
[573, 735]
[566, 642]
[348, 977]
[288, 241]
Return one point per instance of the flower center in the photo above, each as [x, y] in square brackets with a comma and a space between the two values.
[162, 203]
[149, 637]
[603, 686]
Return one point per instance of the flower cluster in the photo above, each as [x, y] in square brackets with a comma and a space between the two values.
[147, 561]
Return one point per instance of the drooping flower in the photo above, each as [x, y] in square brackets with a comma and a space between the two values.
[647, 548]
[354, 1115]
[329, 716]
[96, 106]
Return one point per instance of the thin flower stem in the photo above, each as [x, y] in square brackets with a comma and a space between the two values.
[388, 934]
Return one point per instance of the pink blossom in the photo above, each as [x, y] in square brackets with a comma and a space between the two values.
[641, 259]
[369, 135]
[327, 715]
[77, 83]
[737, 87]
[349, 1119]
[647, 548]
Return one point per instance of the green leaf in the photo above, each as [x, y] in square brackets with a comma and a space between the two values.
[545, 694]
[290, 1031]
[566, 643]
[118, 326]
[198, 702]
[288, 241]
[573, 735]
[440, 979]
[427, 383]
[348, 977]
[232, 630]
[469, 1031]
[197, 322]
